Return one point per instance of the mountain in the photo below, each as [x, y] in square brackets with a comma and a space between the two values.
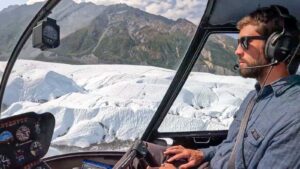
[120, 34]
[14, 20]
[218, 55]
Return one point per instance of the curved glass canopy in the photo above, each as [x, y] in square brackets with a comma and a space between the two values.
[109, 74]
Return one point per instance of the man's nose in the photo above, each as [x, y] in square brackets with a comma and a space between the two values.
[239, 50]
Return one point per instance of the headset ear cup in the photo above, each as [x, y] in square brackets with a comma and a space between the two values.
[270, 47]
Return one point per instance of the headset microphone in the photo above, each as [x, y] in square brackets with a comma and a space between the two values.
[237, 67]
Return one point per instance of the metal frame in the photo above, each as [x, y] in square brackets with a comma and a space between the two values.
[194, 50]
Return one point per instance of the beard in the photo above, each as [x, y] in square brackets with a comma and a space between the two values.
[253, 72]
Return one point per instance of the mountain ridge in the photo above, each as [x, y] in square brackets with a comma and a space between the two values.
[121, 34]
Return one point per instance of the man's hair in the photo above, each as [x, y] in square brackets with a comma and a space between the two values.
[268, 20]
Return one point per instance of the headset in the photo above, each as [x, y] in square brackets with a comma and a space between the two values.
[280, 45]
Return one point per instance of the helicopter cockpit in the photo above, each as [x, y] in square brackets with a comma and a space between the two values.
[84, 93]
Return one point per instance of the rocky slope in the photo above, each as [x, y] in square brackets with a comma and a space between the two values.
[116, 34]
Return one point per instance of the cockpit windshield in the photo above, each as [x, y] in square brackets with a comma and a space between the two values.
[14, 17]
[104, 82]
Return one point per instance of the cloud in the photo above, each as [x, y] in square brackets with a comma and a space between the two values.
[173, 9]
[158, 7]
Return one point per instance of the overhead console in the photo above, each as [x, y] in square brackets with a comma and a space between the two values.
[24, 140]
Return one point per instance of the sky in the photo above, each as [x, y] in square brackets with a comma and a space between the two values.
[173, 9]
[5, 3]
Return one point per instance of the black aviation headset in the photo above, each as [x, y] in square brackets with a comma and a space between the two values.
[282, 45]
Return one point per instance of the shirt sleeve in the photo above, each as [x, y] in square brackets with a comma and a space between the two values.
[209, 152]
[283, 151]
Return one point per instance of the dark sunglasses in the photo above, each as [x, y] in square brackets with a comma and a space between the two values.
[244, 41]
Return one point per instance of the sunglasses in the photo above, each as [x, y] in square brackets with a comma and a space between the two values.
[245, 40]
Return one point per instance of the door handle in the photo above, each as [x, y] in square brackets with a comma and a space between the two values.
[201, 140]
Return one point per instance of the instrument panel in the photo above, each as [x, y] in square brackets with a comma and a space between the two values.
[25, 139]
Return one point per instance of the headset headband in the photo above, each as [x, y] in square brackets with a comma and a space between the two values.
[283, 12]
[285, 15]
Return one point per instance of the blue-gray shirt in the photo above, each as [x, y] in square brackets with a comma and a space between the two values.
[272, 137]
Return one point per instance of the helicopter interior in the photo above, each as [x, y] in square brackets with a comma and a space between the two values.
[25, 139]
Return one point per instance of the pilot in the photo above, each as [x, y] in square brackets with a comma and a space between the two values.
[265, 132]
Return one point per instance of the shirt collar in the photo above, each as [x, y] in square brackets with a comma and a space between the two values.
[278, 87]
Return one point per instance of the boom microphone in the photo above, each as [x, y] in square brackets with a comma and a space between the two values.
[237, 67]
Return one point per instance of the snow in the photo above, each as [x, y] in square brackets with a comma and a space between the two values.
[95, 104]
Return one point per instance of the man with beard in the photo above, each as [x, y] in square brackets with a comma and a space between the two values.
[265, 129]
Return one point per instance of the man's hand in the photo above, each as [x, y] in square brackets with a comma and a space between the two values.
[193, 157]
